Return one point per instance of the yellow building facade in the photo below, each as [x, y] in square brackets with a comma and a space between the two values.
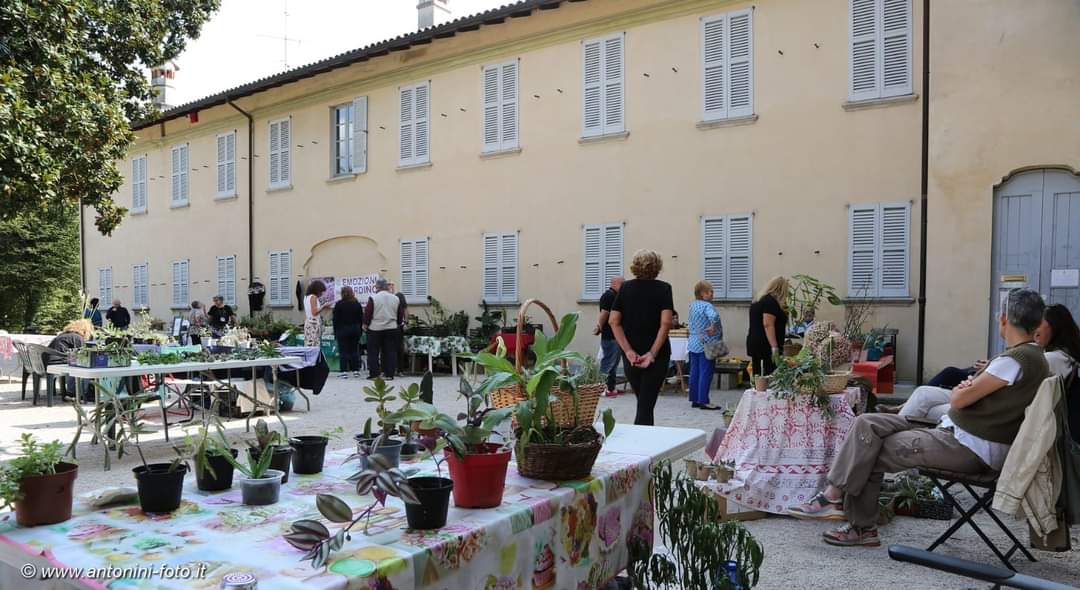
[529, 151]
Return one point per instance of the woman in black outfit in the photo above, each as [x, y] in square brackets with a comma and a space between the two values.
[348, 319]
[640, 319]
[768, 325]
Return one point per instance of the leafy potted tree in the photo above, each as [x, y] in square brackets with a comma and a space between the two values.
[281, 454]
[477, 466]
[554, 442]
[378, 478]
[260, 485]
[213, 471]
[702, 551]
[38, 483]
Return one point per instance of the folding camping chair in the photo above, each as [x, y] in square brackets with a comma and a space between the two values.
[945, 480]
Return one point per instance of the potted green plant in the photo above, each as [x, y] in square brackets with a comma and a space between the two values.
[207, 452]
[477, 466]
[38, 483]
[798, 375]
[547, 447]
[309, 452]
[379, 478]
[914, 495]
[260, 485]
[281, 453]
[702, 551]
[160, 485]
[381, 394]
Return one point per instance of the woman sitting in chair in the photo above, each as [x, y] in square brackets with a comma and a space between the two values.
[73, 337]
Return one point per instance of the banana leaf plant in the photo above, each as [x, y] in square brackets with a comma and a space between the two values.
[379, 479]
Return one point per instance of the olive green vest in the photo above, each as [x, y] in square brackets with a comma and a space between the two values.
[997, 417]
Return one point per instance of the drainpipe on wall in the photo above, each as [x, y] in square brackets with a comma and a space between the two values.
[82, 249]
[250, 191]
[921, 343]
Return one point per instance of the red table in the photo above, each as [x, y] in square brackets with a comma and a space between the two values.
[880, 373]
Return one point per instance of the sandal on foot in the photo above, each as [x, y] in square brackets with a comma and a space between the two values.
[852, 536]
[818, 508]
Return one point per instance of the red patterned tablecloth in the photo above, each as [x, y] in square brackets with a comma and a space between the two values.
[782, 449]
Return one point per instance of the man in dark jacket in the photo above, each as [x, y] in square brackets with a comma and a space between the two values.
[118, 315]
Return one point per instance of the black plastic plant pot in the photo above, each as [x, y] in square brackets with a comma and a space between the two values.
[434, 495]
[280, 460]
[221, 478]
[160, 486]
[308, 453]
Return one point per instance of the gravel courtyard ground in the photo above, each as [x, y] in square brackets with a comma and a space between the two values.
[795, 556]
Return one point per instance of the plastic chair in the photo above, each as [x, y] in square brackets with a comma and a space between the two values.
[24, 363]
[38, 366]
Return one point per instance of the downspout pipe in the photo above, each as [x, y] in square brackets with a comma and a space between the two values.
[82, 246]
[250, 191]
[920, 354]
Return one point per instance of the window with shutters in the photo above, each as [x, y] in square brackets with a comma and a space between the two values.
[727, 247]
[341, 134]
[180, 169]
[727, 53]
[280, 156]
[415, 132]
[138, 184]
[359, 149]
[603, 96]
[880, 54]
[414, 270]
[226, 165]
[226, 278]
[105, 287]
[500, 106]
[140, 286]
[603, 258]
[281, 277]
[501, 267]
[878, 250]
[180, 281]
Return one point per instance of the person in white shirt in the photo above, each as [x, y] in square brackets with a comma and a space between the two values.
[382, 317]
[983, 421]
[1058, 335]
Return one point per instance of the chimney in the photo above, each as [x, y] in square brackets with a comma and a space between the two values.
[432, 13]
[161, 81]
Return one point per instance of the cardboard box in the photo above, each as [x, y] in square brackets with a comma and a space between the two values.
[730, 509]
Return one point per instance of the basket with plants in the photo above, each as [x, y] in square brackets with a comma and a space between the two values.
[801, 375]
[914, 495]
[555, 439]
[102, 355]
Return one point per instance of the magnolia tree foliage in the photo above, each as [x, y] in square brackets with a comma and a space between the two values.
[72, 80]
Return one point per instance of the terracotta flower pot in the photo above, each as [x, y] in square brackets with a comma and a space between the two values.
[46, 498]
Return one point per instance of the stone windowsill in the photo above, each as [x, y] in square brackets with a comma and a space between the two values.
[620, 136]
[893, 301]
[500, 153]
[279, 189]
[409, 167]
[342, 178]
[732, 122]
[136, 211]
[878, 103]
[227, 197]
[179, 205]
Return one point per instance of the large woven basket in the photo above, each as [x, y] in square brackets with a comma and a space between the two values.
[835, 383]
[588, 396]
[552, 462]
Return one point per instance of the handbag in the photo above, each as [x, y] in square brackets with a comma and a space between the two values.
[715, 349]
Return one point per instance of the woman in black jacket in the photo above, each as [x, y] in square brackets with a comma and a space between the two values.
[348, 319]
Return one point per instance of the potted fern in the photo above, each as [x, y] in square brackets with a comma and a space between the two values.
[38, 483]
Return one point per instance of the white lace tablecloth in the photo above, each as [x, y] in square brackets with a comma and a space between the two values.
[782, 449]
[679, 351]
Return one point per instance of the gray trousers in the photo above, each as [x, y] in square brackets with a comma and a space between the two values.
[884, 443]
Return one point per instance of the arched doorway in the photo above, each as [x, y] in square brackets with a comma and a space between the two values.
[1036, 240]
[345, 256]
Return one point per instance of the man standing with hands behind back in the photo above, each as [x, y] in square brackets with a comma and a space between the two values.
[609, 347]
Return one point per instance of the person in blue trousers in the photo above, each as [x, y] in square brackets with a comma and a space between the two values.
[704, 324]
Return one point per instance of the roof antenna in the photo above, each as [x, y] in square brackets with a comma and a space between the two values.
[284, 37]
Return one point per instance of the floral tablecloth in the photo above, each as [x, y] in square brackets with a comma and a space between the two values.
[544, 535]
[436, 345]
[782, 449]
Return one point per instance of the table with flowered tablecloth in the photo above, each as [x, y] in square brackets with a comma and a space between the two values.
[434, 346]
[545, 535]
[783, 449]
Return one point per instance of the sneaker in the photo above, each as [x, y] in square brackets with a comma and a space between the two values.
[344, 375]
[852, 536]
[818, 508]
[388, 379]
[356, 374]
[611, 393]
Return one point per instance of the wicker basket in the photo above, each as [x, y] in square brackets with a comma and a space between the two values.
[588, 396]
[552, 462]
[835, 383]
[792, 349]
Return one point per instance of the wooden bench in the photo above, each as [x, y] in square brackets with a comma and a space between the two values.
[880, 373]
